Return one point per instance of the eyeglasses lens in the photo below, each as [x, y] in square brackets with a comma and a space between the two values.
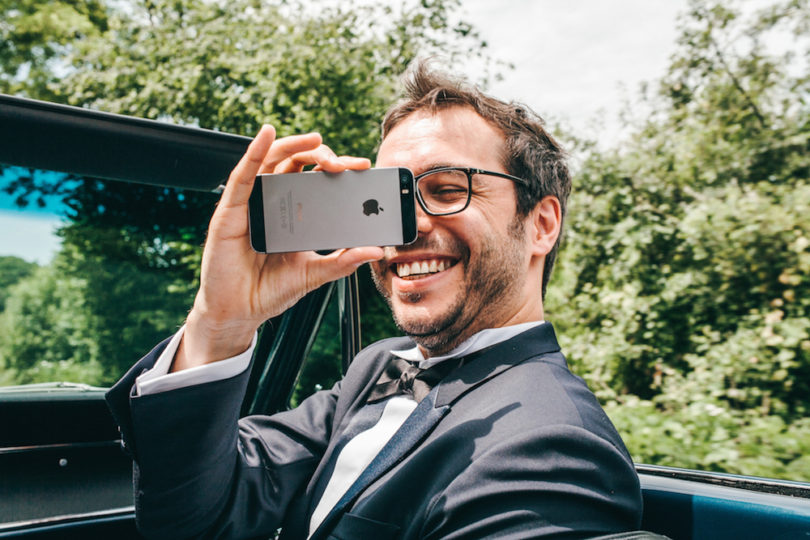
[444, 192]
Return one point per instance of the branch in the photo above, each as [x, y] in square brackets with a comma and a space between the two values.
[737, 83]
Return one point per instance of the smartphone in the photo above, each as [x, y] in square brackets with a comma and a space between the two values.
[325, 211]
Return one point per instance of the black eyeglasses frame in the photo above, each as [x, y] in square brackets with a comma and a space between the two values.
[469, 171]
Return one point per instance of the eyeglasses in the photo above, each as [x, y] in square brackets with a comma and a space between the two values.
[447, 190]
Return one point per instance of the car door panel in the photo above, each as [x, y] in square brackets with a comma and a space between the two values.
[692, 505]
[60, 453]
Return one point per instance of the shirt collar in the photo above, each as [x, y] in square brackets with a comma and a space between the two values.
[476, 342]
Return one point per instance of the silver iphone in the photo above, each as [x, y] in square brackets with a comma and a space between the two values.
[323, 211]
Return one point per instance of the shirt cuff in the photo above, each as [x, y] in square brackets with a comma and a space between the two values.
[158, 379]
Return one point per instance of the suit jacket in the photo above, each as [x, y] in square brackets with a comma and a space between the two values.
[510, 445]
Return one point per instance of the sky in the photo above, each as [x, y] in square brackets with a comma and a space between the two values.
[29, 237]
[576, 62]
[29, 234]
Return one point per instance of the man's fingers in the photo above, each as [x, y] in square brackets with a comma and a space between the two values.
[324, 159]
[287, 147]
[240, 181]
[262, 155]
[340, 263]
[316, 156]
[355, 163]
[340, 164]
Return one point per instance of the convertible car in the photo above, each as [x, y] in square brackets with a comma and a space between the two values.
[63, 473]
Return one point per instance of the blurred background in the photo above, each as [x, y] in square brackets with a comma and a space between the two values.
[682, 294]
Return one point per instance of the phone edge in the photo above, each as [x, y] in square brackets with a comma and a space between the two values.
[258, 237]
[407, 188]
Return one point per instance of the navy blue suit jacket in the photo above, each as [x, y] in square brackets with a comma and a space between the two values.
[509, 445]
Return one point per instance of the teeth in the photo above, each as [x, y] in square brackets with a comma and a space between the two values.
[421, 267]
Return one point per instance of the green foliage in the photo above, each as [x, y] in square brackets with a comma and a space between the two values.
[708, 436]
[88, 315]
[35, 34]
[12, 270]
[684, 296]
[45, 331]
[235, 65]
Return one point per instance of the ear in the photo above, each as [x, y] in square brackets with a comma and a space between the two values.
[543, 225]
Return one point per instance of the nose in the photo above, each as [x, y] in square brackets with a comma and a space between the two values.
[424, 221]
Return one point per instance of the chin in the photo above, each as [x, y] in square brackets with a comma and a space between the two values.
[411, 317]
[431, 325]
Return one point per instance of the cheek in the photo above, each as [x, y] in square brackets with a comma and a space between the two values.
[472, 232]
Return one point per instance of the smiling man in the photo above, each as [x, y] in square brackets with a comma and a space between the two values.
[469, 427]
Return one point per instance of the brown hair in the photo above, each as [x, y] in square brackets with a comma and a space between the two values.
[529, 151]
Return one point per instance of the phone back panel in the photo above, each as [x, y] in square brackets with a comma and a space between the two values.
[318, 210]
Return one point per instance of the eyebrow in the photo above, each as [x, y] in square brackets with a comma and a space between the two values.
[441, 164]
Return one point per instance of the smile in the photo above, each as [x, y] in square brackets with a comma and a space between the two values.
[417, 269]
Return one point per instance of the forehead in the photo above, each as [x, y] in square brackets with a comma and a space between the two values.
[453, 136]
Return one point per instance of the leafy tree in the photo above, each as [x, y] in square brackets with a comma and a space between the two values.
[35, 35]
[45, 332]
[88, 315]
[684, 281]
[12, 270]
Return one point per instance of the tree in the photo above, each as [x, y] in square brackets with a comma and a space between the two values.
[88, 315]
[12, 270]
[684, 297]
[35, 35]
[46, 334]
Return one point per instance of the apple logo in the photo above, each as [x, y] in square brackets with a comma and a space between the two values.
[371, 206]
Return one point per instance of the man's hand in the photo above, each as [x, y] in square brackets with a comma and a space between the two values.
[240, 288]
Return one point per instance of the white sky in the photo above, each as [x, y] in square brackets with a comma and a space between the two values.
[29, 237]
[575, 63]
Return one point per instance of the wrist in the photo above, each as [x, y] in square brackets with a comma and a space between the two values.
[205, 341]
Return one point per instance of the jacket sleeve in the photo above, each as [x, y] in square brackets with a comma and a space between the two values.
[200, 472]
[556, 481]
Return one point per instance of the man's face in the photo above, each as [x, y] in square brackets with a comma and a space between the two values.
[484, 249]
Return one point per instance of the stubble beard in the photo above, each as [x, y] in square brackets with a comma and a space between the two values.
[476, 305]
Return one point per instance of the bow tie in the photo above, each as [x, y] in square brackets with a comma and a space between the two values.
[402, 377]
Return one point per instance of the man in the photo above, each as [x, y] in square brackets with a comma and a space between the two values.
[496, 438]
